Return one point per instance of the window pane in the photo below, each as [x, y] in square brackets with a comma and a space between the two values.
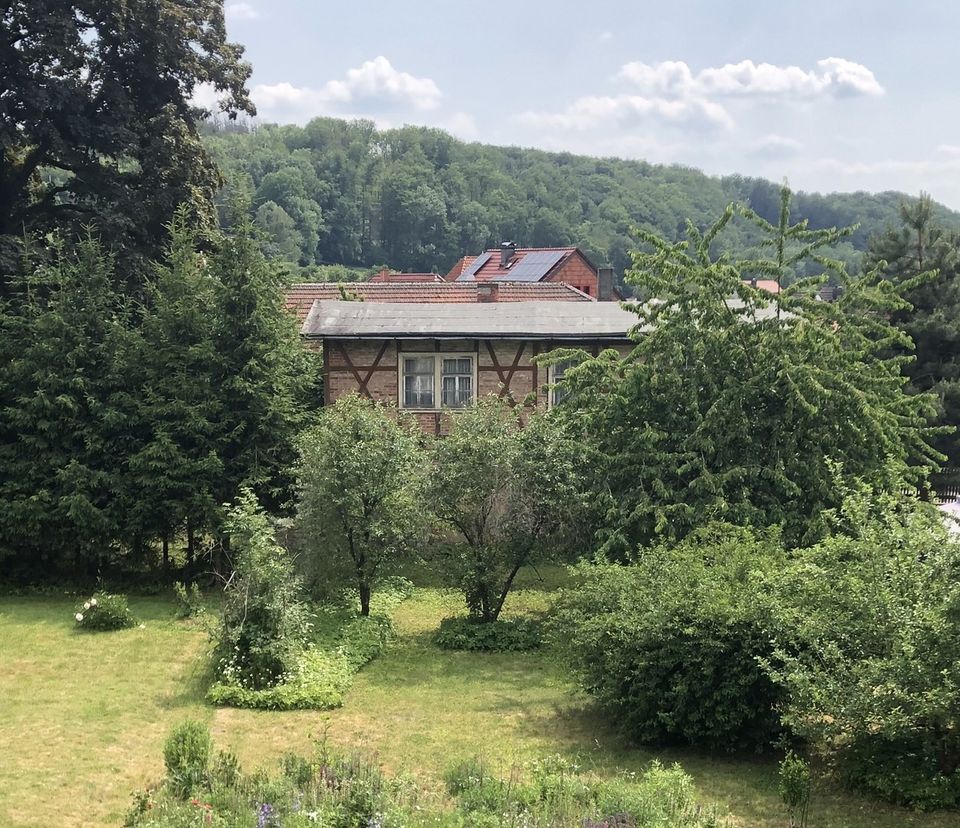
[418, 382]
[457, 392]
[458, 366]
[418, 365]
[558, 371]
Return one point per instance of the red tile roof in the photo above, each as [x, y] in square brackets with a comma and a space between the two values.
[393, 277]
[491, 268]
[462, 264]
[300, 298]
[769, 285]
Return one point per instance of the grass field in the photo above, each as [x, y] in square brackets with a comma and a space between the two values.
[83, 717]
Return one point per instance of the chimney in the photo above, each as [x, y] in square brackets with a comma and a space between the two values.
[488, 292]
[605, 284]
[507, 251]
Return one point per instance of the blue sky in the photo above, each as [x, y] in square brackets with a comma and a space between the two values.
[829, 95]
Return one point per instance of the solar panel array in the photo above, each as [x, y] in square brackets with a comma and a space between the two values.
[532, 267]
[475, 265]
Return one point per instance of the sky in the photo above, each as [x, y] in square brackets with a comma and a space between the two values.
[831, 96]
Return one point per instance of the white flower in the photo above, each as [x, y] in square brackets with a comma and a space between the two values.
[79, 616]
[93, 602]
[86, 605]
[143, 626]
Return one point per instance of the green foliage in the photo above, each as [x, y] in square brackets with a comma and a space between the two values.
[732, 409]
[511, 491]
[104, 611]
[922, 256]
[419, 199]
[361, 476]
[186, 754]
[189, 600]
[323, 674]
[794, 785]
[670, 644]
[338, 791]
[553, 792]
[502, 635]
[875, 687]
[265, 625]
[99, 129]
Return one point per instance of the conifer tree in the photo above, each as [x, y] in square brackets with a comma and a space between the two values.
[737, 404]
[923, 258]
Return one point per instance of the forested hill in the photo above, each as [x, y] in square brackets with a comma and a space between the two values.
[418, 199]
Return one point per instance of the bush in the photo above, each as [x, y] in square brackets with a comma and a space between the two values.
[104, 611]
[321, 678]
[671, 645]
[189, 600]
[265, 626]
[513, 635]
[186, 754]
[876, 686]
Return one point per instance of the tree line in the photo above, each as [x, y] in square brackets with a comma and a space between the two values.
[417, 199]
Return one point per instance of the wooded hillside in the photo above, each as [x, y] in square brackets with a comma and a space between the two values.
[417, 199]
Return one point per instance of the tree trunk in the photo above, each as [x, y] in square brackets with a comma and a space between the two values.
[190, 552]
[364, 587]
[166, 553]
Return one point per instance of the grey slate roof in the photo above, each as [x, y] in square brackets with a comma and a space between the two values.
[335, 319]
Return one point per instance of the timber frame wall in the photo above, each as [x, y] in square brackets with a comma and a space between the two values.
[501, 366]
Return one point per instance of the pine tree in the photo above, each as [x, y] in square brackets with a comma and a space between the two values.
[924, 259]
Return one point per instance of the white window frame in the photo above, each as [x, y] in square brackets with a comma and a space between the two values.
[437, 357]
[552, 378]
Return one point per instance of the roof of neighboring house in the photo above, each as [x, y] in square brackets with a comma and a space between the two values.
[300, 298]
[462, 264]
[528, 264]
[769, 285]
[393, 277]
[555, 320]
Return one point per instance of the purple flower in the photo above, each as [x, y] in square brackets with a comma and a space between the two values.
[265, 815]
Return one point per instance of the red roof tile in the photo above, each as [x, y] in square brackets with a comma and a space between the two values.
[300, 298]
[392, 277]
[462, 264]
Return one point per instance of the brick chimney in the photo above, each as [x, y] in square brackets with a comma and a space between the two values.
[488, 292]
[507, 251]
[605, 284]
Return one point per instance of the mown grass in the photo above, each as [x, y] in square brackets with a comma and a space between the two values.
[83, 717]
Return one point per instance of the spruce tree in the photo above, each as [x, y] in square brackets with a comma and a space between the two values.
[922, 258]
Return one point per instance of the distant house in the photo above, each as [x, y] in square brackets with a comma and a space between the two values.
[510, 263]
[433, 357]
[432, 344]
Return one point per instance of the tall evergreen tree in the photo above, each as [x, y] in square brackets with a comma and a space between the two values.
[737, 405]
[69, 414]
[924, 260]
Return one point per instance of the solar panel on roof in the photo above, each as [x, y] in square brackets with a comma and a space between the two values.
[533, 266]
[475, 265]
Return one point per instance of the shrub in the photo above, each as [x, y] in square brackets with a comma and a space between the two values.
[265, 625]
[513, 635]
[104, 611]
[794, 788]
[875, 687]
[186, 754]
[670, 644]
[189, 600]
[321, 677]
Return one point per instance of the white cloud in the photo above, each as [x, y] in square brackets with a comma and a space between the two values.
[834, 77]
[241, 11]
[373, 88]
[597, 110]
[949, 149]
[775, 147]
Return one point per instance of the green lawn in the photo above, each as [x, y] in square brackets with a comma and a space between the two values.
[83, 717]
